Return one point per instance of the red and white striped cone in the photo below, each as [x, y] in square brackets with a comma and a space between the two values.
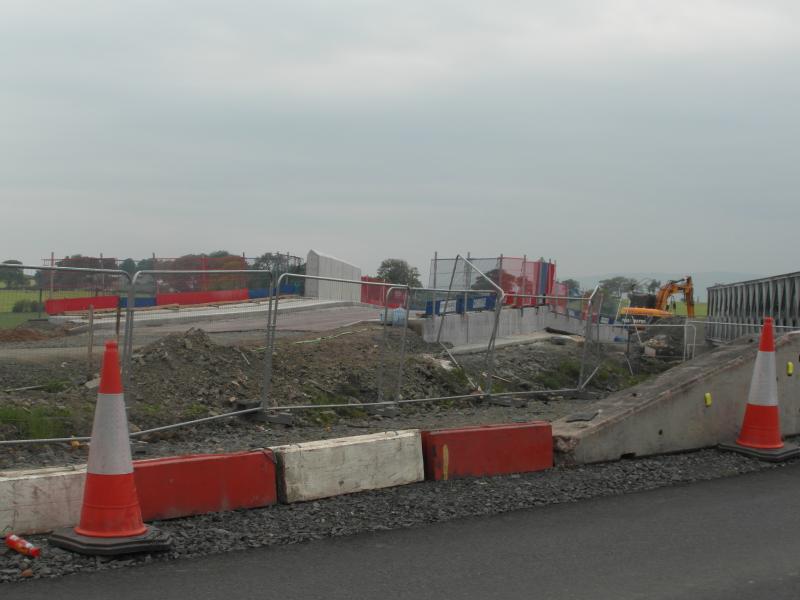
[111, 518]
[760, 435]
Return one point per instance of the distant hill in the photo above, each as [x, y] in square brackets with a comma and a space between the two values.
[702, 280]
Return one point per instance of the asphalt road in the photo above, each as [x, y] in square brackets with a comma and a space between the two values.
[723, 539]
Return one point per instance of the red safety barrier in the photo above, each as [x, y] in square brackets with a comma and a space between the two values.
[374, 294]
[184, 298]
[559, 305]
[487, 450]
[191, 485]
[62, 305]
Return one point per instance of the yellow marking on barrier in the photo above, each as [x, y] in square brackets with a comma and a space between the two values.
[445, 462]
[707, 398]
[789, 368]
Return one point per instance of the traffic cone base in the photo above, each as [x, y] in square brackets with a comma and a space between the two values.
[785, 452]
[152, 540]
[111, 518]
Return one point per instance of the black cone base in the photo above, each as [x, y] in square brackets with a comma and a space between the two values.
[152, 540]
[788, 451]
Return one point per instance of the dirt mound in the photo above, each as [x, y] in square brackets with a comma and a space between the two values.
[23, 334]
[188, 375]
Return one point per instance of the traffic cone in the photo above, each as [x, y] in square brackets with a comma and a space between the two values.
[111, 519]
[760, 435]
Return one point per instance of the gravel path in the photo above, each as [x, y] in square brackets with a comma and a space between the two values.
[394, 508]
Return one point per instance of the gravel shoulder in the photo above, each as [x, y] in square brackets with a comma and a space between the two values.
[394, 508]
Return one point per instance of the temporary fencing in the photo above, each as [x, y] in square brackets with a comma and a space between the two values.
[41, 354]
[268, 311]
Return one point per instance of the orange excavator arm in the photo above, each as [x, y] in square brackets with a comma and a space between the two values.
[673, 287]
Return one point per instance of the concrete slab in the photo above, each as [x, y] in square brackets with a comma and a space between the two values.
[669, 413]
[324, 468]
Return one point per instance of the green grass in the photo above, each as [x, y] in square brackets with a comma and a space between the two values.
[8, 298]
[9, 319]
[37, 422]
[700, 309]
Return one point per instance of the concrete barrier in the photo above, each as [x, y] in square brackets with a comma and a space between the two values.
[203, 483]
[40, 500]
[313, 470]
[487, 450]
[670, 413]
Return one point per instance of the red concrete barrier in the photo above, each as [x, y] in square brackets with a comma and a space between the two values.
[61, 305]
[180, 486]
[487, 450]
[202, 297]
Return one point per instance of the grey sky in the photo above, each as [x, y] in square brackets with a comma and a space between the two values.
[608, 135]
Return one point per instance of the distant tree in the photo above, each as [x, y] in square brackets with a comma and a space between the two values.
[146, 264]
[128, 265]
[219, 254]
[573, 287]
[613, 289]
[397, 270]
[653, 286]
[12, 278]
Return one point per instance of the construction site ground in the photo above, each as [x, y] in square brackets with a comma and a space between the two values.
[193, 373]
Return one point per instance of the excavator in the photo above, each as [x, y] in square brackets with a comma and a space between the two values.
[652, 307]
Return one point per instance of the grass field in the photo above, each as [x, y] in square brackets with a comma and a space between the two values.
[700, 309]
[8, 298]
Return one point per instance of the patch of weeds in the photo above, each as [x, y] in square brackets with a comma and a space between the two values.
[196, 411]
[53, 387]
[37, 422]
[331, 416]
[564, 375]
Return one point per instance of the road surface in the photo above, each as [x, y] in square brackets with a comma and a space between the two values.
[723, 539]
[231, 330]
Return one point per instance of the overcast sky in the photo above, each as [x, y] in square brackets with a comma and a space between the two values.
[611, 136]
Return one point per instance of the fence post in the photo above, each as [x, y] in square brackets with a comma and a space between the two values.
[52, 273]
[91, 341]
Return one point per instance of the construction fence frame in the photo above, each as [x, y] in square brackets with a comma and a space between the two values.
[267, 402]
[271, 331]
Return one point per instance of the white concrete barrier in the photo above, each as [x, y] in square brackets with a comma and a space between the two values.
[313, 470]
[40, 500]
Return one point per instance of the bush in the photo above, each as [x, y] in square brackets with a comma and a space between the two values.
[24, 306]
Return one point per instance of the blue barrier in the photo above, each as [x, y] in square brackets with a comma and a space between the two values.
[137, 302]
[286, 289]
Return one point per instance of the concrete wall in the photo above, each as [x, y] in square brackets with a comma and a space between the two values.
[476, 327]
[324, 265]
[669, 413]
[326, 468]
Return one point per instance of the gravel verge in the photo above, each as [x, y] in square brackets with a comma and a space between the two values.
[394, 508]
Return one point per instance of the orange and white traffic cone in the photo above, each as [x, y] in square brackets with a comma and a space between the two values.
[111, 518]
[760, 435]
